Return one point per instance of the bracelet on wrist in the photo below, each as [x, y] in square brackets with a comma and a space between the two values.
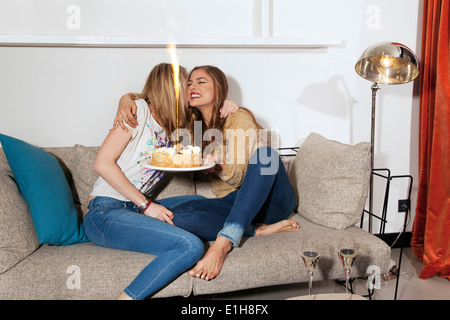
[144, 206]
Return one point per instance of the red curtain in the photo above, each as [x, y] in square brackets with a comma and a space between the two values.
[431, 229]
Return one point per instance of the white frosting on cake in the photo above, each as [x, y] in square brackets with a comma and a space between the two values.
[166, 150]
[186, 150]
[190, 149]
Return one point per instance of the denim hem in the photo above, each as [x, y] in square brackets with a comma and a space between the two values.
[132, 296]
[235, 243]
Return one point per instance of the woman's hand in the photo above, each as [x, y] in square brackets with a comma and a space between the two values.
[126, 112]
[159, 212]
[229, 107]
[210, 159]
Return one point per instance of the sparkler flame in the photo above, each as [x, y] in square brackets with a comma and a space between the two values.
[171, 48]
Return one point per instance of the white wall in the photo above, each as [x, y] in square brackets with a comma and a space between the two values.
[60, 96]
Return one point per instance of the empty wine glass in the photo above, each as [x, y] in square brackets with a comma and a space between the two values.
[310, 256]
[347, 253]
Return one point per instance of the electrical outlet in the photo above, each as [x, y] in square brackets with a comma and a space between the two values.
[403, 205]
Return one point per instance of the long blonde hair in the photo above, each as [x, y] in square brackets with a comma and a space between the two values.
[159, 92]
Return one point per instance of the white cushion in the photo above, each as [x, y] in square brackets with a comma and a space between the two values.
[331, 180]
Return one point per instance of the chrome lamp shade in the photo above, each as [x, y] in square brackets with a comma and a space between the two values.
[388, 63]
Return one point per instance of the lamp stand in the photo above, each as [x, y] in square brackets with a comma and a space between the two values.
[375, 88]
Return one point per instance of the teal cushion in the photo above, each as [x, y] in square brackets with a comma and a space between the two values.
[44, 187]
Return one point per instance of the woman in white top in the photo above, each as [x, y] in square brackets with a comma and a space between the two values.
[120, 213]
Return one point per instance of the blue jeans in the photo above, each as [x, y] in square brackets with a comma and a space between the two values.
[266, 196]
[117, 224]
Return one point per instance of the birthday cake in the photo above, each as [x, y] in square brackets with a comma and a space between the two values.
[177, 157]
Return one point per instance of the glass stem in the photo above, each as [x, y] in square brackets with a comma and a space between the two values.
[310, 283]
[346, 284]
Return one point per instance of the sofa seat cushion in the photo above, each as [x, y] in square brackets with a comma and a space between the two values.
[81, 271]
[276, 259]
[17, 235]
[331, 181]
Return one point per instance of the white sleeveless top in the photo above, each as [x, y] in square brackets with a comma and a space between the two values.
[145, 138]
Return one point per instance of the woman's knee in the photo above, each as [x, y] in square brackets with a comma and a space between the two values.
[193, 245]
[199, 250]
[268, 158]
[265, 151]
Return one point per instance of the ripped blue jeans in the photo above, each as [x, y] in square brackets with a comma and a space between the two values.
[266, 195]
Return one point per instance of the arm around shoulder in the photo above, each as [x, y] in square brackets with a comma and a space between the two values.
[126, 111]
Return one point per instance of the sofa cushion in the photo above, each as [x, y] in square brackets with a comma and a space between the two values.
[331, 181]
[83, 175]
[17, 235]
[203, 186]
[67, 160]
[44, 187]
[83, 271]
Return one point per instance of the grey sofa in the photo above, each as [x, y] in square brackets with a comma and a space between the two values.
[330, 179]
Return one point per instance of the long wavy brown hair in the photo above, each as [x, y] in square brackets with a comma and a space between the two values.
[220, 94]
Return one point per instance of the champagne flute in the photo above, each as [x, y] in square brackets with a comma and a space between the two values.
[347, 253]
[310, 258]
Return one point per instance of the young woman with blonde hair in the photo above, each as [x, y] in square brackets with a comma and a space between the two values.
[120, 213]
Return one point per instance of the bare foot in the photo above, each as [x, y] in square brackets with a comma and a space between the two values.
[281, 226]
[123, 296]
[210, 265]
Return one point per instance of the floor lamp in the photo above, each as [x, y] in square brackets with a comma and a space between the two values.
[386, 63]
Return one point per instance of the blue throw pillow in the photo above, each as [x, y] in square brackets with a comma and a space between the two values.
[44, 187]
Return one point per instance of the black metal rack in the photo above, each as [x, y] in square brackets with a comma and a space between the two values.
[406, 207]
